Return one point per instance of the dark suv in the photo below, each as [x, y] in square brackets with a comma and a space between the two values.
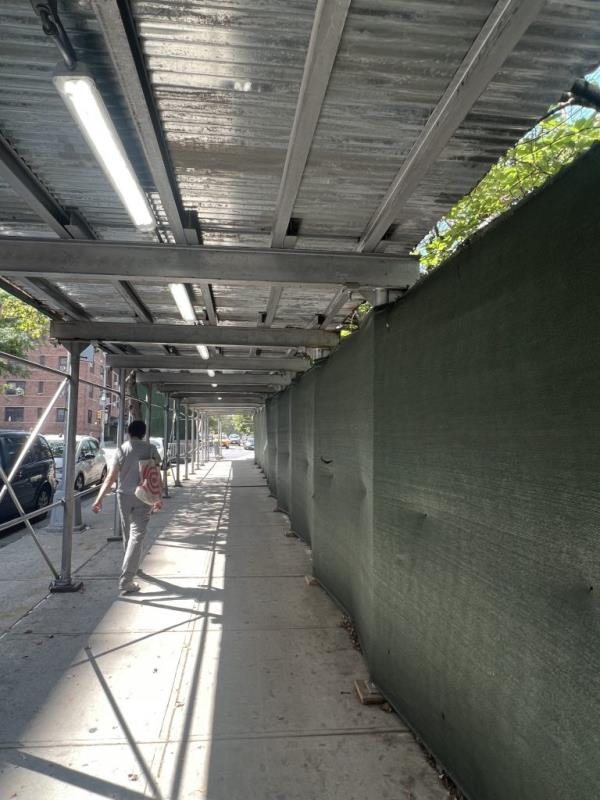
[35, 482]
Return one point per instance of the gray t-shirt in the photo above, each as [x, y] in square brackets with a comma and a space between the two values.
[128, 457]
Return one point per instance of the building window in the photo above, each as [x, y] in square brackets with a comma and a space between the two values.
[14, 388]
[89, 416]
[63, 363]
[42, 361]
[40, 387]
[14, 414]
[61, 414]
[91, 393]
[39, 412]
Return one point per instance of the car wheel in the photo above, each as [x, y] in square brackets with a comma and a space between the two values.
[79, 482]
[43, 499]
[103, 476]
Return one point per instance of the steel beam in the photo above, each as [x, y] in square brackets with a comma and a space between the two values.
[66, 222]
[209, 302]
[191, 334]
[200, 379]
[273, 303]
[224, 407]
[54, 296]
[25, 184]
[148, 263]
[234, 389]
[328, 25]
[133, 300]
[24, 297]
[245, 394]
[502, 30]
[121, 40]
[198, 364]
[337, 302]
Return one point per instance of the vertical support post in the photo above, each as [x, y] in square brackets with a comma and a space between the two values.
[148, 420]
[165, 464]
[206, 456]
[199, 439]
[203, 458]
[192, 440]
[117, 534]
[186, 440]
[65, 582]
[219, 437]
[103, 402]
[177, 403]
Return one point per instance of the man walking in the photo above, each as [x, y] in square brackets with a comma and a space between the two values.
[135, 515]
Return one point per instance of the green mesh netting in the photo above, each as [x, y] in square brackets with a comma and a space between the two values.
[449, 483]
[302, 453]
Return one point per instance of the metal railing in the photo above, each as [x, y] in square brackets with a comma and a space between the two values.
[194, 452]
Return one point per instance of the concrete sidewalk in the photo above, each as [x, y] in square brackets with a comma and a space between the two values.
[227, 678]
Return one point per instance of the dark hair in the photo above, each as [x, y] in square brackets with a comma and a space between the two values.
[137, 428]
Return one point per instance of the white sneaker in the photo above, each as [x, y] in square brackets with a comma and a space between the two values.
[129, 588]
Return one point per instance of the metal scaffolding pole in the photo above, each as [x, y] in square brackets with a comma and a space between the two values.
[219, 438]
[165, 464]
[117, 534]
[186, 441]
[148, 388]
[192, 440]
[177, 404]
[201, 439]
[65, 582]
[206, 443]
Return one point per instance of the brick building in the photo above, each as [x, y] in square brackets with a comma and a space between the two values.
[24, 398]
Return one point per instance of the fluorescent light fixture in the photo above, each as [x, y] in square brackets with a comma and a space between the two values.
[214, 385]
[219, 398]
[87, 108]
[184, 304]
[211, 373]
[203, 350]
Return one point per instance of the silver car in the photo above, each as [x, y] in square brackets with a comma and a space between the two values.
[90, 461]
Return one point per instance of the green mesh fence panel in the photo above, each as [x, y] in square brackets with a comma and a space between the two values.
[260, 437]
[272, 421]
[457, 504]
[343, 466]
[283, 451]
[487, 503]
[302, 460]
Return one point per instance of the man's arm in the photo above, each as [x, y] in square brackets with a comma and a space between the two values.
[110, 479]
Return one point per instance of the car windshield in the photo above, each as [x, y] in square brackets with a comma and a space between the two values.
[58, 449]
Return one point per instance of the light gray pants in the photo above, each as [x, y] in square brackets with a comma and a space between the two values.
[135, 516]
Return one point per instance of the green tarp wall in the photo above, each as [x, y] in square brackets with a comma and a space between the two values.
[302, 454]
[445, 464]
[283, 465]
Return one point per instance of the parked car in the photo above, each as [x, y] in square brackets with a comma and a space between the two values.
[234, 438]
[249, 443]
[35, 482]
[90, 460]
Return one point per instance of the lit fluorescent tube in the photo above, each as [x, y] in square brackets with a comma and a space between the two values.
[203, 350]
[214, 385]
[87, 108]
[184, 304]
[211, 373]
